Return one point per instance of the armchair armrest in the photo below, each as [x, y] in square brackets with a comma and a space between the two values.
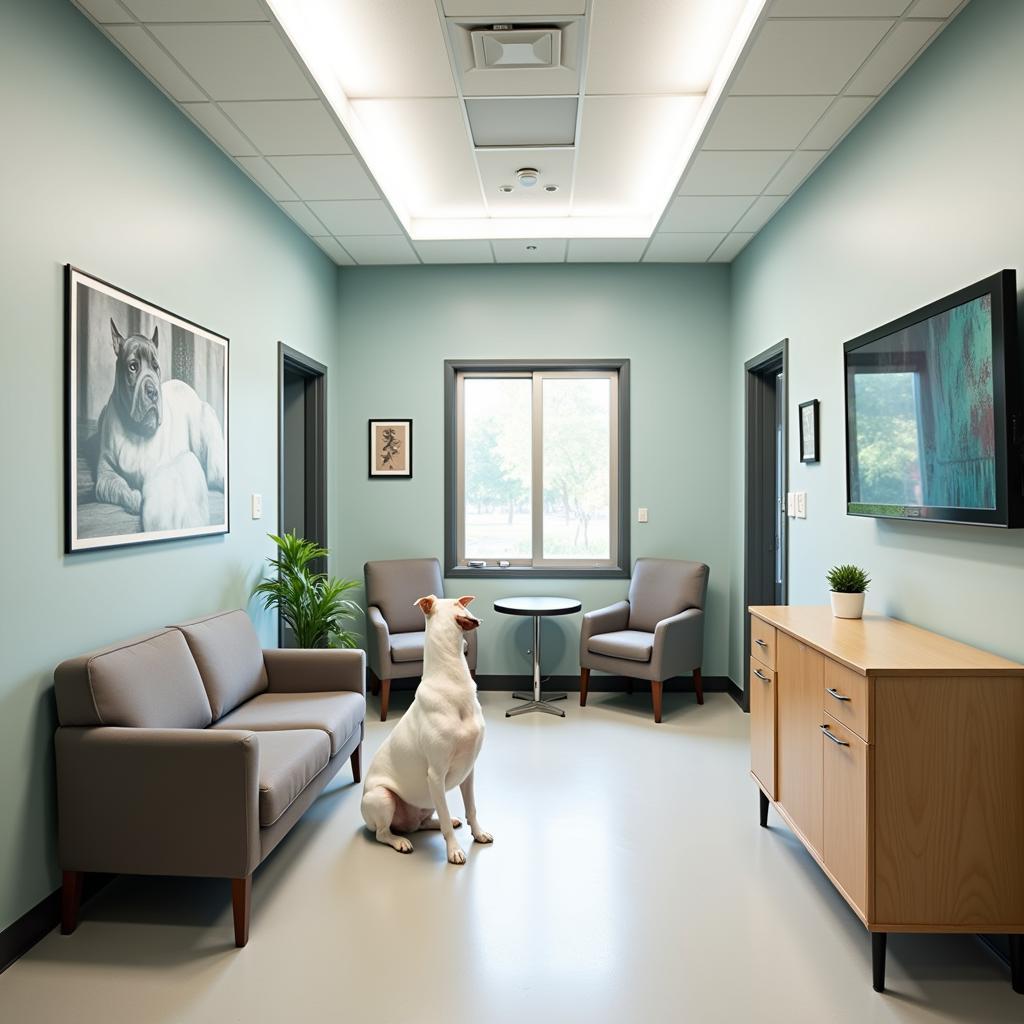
[603, 620]
[678, 644]
[158, 801]
[378, 639]
[315, 671]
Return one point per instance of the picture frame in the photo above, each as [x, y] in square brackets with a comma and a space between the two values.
[146, 417]
[809, 438]
[390, 449]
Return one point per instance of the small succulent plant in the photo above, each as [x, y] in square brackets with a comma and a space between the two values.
[847, 579]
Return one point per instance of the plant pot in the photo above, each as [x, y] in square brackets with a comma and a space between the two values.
[847, 606]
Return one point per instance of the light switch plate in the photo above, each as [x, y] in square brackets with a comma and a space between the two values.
[641, 515]
[257, 506]
[791, 504]
[801, 504]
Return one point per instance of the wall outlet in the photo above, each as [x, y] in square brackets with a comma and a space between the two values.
[641, 515]
[257, 506]
[801, 504]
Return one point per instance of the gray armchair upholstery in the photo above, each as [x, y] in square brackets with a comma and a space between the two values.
[656, 634]
[394, 625]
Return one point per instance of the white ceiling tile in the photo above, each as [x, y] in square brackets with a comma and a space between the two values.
[326, 177]
[548, 121]
[731, 172]
[934, 8]
[368, 250]
[152, 59]
[892, 56]
[731, 247]
[197, 10]
[797, 167]
[606, 250]
[705, 213]
[106, 12]
[498, 167]
[266, 177]
[510, 8]
[360, 217]
[281, 127]
[623, 149]
[838, 8]
[837, 122]
[219, 128]
[667, 247]
[302, 216]
[455, 252]
[811, 57]
[526, 250]
[764, 122]
[658, 46]
[427, 150]
[760, 213]
[333, 248]
[237, 61]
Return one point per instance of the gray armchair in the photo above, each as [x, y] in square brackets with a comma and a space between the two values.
[394, 633]
[656, 634]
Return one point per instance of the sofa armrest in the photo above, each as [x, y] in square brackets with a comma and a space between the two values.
[158, 801]
[315, 671]
[678, 644]
[603, 620]
[378, 639]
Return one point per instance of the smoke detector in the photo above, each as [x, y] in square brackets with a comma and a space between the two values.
[527, 177]
[506, 47]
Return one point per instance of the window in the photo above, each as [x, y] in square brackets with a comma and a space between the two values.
[537, 468]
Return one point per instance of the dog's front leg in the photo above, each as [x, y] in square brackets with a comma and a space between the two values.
[435, 780]
[469, 800]
[113, 488]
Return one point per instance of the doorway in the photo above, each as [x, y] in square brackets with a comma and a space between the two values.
[302, 451]
[766, 527]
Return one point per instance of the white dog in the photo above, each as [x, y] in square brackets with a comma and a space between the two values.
[434, 746]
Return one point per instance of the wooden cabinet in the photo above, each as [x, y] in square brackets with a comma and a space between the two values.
[896, 756]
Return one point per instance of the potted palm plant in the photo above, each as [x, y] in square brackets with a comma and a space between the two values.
[848, 584]
[312, 604]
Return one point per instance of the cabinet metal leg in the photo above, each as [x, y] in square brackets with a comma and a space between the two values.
[765, 804]
[1017, 963]
[878, 960]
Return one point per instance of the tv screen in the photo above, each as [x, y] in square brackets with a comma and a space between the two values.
[932, 410]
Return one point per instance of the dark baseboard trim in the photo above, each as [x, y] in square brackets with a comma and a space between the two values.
[737, 695]
[991, 943]
[607, 684]
[18, 938]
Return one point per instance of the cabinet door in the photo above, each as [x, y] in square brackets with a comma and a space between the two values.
[799, 680]
[845, 813]
[761, 685]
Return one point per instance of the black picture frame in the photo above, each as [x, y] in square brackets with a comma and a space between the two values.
[375, 470]
[84, 335]
[810, 450]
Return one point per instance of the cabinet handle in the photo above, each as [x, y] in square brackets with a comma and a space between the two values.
[835, 693]
[760, 675]
[760, 643]
[835, 739]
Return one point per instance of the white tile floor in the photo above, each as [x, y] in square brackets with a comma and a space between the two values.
[629, 882]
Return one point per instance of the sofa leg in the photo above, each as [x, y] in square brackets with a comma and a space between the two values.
[584, 684]
[357, 775]
[698, 685]
[656, 688]
[385, 694]
[70, 900]
[241, 905]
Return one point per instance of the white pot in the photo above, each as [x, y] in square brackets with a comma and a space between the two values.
[847, 606]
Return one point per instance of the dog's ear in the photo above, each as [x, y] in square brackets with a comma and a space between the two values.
[426, 604]
[116, 337]
[154, 339]
[465, 601]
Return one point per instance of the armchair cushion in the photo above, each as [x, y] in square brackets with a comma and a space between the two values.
[394, 586]
[663, 587]
[337, 714]
[631, 644]
[289, 761]
[407, 646]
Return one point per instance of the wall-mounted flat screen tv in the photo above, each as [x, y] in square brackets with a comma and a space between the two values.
[933, 412]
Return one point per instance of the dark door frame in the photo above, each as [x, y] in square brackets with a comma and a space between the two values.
[761, 405]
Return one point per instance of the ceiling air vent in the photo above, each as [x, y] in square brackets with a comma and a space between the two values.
[506, 47]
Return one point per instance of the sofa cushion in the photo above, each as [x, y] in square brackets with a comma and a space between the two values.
[337, 714]
[230, 659]
[149, 682]
[289, 761]
[407, 646]
[631, 644]
[394, 587]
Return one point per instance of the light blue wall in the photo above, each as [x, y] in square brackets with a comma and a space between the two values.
[398, 325]
[923, 197]
[100, 170]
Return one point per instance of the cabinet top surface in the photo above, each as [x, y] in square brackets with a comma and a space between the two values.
[877, 645]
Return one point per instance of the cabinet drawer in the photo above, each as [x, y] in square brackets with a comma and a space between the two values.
[761, 687]
[845, 697]
[762, 641]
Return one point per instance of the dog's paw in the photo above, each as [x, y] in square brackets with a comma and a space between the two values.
[456, 856]
[134, 502]
[401, 844]
[483, 837]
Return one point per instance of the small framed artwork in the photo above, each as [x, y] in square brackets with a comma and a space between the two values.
[146, 421]
[809, 431]
[391, 449]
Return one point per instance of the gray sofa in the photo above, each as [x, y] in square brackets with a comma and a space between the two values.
[191, 751]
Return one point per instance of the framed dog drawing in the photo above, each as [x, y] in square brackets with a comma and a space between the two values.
[146, 421]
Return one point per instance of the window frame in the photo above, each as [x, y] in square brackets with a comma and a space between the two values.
[617, 567]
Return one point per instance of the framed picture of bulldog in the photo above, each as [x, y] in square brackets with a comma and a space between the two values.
[146, 447]
[390, 449]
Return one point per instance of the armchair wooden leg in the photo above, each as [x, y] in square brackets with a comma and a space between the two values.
[385, 695]
[357, 775]
[70, 899]
[241, 905]
[656, 688]
[584, 683]
[698, 685]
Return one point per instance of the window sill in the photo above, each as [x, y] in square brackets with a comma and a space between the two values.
[524, 572]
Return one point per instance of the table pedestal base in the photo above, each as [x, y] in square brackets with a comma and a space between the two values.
[535, 705]
[535, 700]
